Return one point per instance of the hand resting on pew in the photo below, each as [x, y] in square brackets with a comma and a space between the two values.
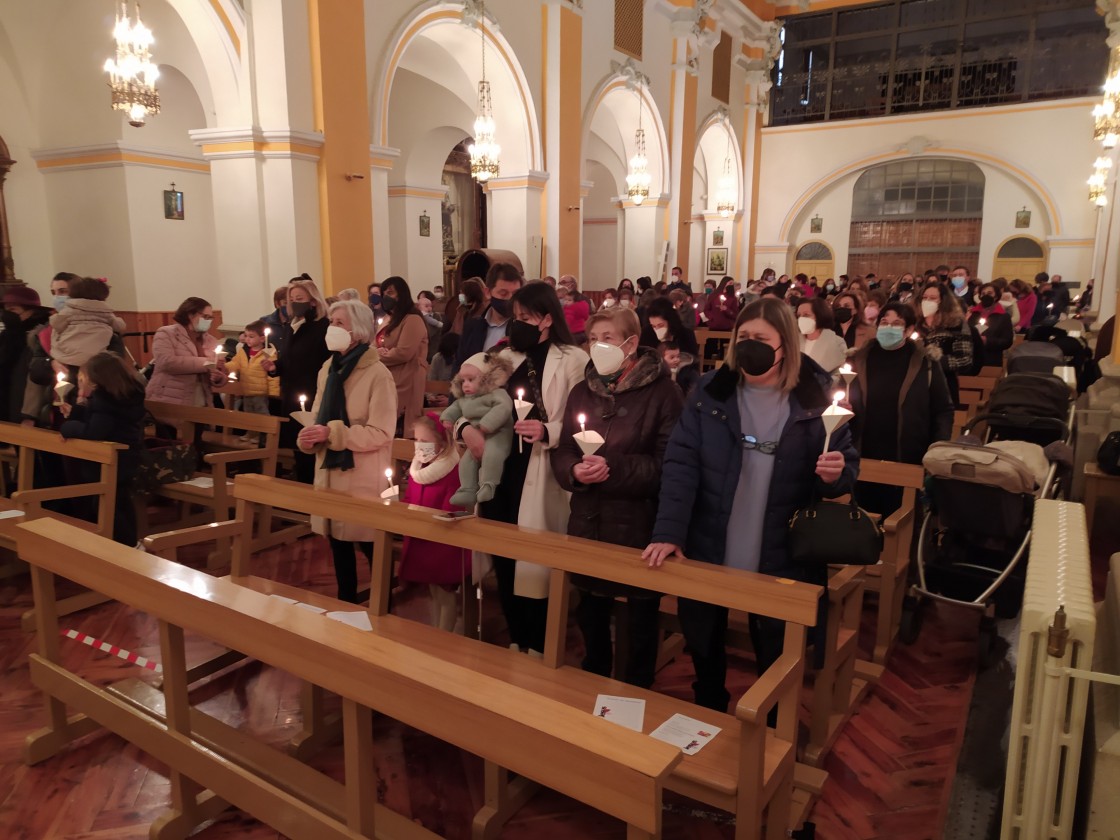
[657, 553]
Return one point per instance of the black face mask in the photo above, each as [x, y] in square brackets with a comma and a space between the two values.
[388, 304]
[842, 315]
[905, 287]
[944, 278]
[987, 301]
[523, 336]
[872, 286]
[500, 306]
[374, 300]
[300, 310]
[754, 357]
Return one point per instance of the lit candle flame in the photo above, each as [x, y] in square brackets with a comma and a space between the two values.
[61, 377]
[303, 402]
[521, 394]
[582, 422]
[839, 395]
[846, 369]
[389, 476]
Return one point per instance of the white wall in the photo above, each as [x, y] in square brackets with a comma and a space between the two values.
[1038, 156]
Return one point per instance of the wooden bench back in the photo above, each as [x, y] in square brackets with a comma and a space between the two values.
[508, 725]
[892, 473]
[222, 418]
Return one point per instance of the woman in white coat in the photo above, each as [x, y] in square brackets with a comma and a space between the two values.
[818, 340]
[546, 366]
[355, 414]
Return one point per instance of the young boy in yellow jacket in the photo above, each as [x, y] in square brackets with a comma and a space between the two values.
[257, 385]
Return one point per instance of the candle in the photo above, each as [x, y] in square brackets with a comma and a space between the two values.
[219, 351]
[303, 402]
[914, 336]
[521, 394]
[232, 376]
[846, 369]
[267, 333]
[839, 395]
[983, 321]
[61, 377]
[389, 476]
[582, 422]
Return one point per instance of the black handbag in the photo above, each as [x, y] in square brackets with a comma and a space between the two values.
[834, 533]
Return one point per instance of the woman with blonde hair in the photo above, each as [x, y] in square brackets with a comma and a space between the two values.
[745, 455]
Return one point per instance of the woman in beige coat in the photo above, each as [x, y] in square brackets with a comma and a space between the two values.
[355, 410]
[403, 345]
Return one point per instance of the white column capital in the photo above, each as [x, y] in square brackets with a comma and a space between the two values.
[383, 157]
[254, 141]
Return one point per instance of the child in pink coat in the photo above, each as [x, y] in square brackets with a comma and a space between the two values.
[433, 478]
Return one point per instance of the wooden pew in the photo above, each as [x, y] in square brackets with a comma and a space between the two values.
[889, 576]
[210, 490]
[607, 767]
[28, 441]
[982, 385]
[747, 770]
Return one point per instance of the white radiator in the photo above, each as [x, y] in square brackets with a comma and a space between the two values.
[1048, 716]
[1104, 805]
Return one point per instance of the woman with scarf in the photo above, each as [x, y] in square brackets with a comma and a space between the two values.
[355, 413]
[629, 398]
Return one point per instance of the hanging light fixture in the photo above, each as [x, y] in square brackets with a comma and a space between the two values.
[1098, 181]
[727, 191]
[484, 152]
[133, 74]
[638, 178]
[1106, 116]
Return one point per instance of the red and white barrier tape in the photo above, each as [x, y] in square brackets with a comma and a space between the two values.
[113, 650]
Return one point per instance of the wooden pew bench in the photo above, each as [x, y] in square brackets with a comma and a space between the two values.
[28, 443]
[210, 488]
[748, 769]
[605, 766]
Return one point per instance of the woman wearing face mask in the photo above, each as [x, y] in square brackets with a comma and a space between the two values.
[626, 299]
[1025, 302]
[996, 333]
[818, 339]
[945, 334]
[373, 291]
[904, 289]
[876, 299]
[470, 303]
[847, 311]
[722, 306]
[402, 342]
[186, 366]
[1007, 301]
[298, 368]
[663, 323]
[355, 411]
[900, 400]
[630, 399]
[745, 455]
[546, 364]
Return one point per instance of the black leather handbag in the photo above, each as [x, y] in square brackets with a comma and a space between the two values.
[834, 534]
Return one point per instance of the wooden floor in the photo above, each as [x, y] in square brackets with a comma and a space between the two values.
[890, 771]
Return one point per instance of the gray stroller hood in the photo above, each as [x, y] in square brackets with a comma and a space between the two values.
[993, 465]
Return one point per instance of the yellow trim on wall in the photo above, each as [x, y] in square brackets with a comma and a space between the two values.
[1065, 243]
[261, 146]
[122, 157]
[416, 192]
[227, 24]
[515, 184]
[382, 162]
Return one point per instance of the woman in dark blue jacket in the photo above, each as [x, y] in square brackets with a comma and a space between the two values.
[745, 455]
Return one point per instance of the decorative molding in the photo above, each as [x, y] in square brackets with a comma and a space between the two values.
[1068, 242]
[919, 145]
[630, 73]
[532, 180]
[383, 157]
[406, 191]
[254, 141]
[115, 154]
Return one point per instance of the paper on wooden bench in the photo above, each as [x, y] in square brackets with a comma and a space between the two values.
[355, 618]
[311, 608]
[10, 514]
[687, 733]
[284, 599]
[625, 711]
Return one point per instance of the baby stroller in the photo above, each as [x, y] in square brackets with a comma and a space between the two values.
[973, 543]
[1033, 407]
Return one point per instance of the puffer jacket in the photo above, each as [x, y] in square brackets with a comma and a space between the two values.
[254, 378]
[180, 366]
[635, 420]
[81, 329]
[705, 456]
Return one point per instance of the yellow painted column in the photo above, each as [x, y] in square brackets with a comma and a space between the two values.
[562, 69]
[338, 79]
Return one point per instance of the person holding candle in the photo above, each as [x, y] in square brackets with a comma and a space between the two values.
[941, 325]
[186, 366]
[722, 306]
[402, 342]
[302, 353]
[746, 454]
[900, 399]
[993, 324]
[246, 364]
[629, 398]
[351, 438]
[546, 366]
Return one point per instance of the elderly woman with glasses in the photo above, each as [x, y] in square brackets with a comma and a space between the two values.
[745, 455]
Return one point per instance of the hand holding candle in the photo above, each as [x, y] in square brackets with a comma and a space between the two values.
[834, 417]
[62, 388]
[589, 442]
[522, 409]
[393, 491]
[303, 416]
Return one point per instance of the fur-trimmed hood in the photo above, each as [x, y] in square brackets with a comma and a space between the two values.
[496, 375]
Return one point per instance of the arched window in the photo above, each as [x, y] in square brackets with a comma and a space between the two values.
[912, 215]
[1020, 248]
[814, 251]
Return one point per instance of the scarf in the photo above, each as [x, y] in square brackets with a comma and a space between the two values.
[437, 469]
[333, 404]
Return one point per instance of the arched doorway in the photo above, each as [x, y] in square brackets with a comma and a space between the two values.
[1019, 258]
[717, 183]
[814, 259]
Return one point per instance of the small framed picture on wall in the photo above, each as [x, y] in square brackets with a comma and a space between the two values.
[717, 260]
[173, 205]
[717, 237]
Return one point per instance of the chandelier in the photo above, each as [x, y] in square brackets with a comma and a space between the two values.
[638, 178]
[132, 75]
[726, 205]
[484, 152]
[1097, 181]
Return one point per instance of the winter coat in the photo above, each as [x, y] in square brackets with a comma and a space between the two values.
[371, 406]
[685, 340]
[407, 361]
[16, 349]
[105, 418]
[863, 334]
[925, 409]
[705, 457]
[423, 561]
[81, 329]
[829, 351]
[687, 375]
[277, 324]
[576, 314]
[180, 366]
[298, 366]
[255, 380]
[635, 420]
[1026, 305]
[998, 336]
[722, 310]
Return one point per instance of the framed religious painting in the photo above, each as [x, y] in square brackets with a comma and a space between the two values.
[717, 260]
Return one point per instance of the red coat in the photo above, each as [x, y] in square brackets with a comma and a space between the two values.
[423, 561]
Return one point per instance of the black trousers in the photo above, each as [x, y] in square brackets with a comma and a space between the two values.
[346, 567]
[705, 632]
[526, 618]
[641, 617]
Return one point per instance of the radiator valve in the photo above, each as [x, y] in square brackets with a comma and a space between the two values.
[1059, 634]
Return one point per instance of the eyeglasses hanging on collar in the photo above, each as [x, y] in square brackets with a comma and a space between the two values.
[767, 447]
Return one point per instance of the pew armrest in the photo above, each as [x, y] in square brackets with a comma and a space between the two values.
[49, 494]
[235, 456]
[193, 536]
[898, 519]
[784, 674]
[842, 583]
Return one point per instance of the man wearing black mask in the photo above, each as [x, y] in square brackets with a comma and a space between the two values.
[482, 333]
